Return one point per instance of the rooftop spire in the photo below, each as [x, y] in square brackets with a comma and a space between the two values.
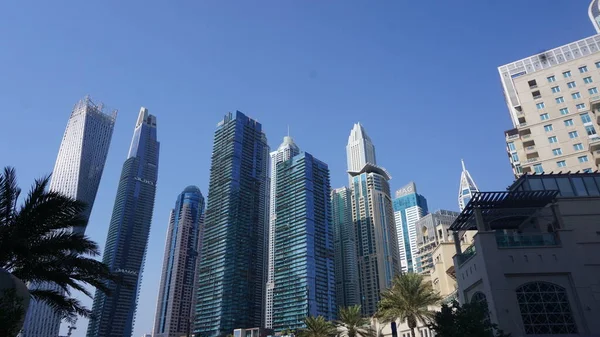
[467, 187]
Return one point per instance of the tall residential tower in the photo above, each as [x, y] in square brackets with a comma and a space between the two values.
[233, 267]
[466, 189]
[76, 174]
[373, 217]
[127, 238]
[304, 271]
[286, 151]
[409, 207]
[176, 297]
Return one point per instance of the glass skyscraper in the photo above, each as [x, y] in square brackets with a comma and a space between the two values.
[76, 174]
[409, 206]
[127, 239]
[304, 271]
[373, 217]
[344, 243]
[233, 267]
[176, 297]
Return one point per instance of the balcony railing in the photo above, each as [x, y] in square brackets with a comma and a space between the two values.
[466, 254]
[451, 297]
[526, 240]
[526, 136]
[531, 160]
[513, 136]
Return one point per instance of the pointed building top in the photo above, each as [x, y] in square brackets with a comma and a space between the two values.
[288, 142]
[463, 165]
[467, 187]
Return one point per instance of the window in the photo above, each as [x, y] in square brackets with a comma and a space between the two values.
[559, 99]
[577, 146]
[556, 152]
[538, 168]
[585, 118]
[555, 89]
[571, 85]
[532, 84]
[576, 95]
[544, 116]
[583, 159]
[479, 297]
[597, 64]
[540, 105]
[590, 130]
[545, 309]
[587, 80]
[552, 139]
[561, 163]
[567, 74]
[511, 146]
[564, 111]
[515, 157]
[580, 106]
[548, 127]
[593, 90]
[552, 78]
[568, 122]
[573, 134]
[536, 94]
[583, 69]
[587, 170]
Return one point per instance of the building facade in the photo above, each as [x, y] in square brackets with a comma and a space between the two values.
[233, 268]
[360, 149]
[77, 172]
[466, 188]
[304, 270]
[409, 207]
[347, 290]
[537, 269]
[432, 230]
[594, 14]
[553, 98]
[176, 298]
[286, 151]
[127, 239]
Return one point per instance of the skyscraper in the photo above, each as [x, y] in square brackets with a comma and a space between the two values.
[409, 206]
[594, 14]
[467, 187]
[76, 174]
[373, 217]
[304, 271]
[344, 243]
[552, 98]
[286, 151]
[233, 267]
[127, 239]
[176, 297]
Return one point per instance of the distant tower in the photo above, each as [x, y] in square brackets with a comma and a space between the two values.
[594, 13]
[467, 187]
[77, 172]
[127, 239]
[360, 149]
[286, 151]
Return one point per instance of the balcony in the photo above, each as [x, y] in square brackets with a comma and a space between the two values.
[594, 144]
[596, 155]
[530, 149]
[522, 124]
[522, 240]
[453, 296]
[595, 102]
[467, 254]
[526, 136]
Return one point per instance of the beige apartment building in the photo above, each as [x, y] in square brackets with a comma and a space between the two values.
[553, 100]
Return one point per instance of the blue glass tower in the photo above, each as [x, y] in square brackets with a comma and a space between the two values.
[304, 271]
[127, 239]
[232, 271]
[409, 206]
[175, 305]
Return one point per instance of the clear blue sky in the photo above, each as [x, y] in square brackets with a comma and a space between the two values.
[420, 75]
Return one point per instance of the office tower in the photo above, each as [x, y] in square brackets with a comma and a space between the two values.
[466, 189]
[344, 243]
[552, 98]
[285, 151]
[409, 206]
[127, 239]
[594, 14]
[176, 297]
[373, 217]
[233, 267]
[304, 271]
[76, 174]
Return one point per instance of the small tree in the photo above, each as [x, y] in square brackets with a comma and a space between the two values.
[352, 324]
[317, 327]
[471, 320]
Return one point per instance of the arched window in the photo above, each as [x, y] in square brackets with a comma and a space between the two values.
[545, 309]
[479, 297]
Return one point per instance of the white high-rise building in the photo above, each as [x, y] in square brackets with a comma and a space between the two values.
[76, 174]
[360, 149]
[286, 150]
[594, 13]
[409, 207]
[466, 189]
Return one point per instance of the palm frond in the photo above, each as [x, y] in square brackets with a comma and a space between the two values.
[66, 307]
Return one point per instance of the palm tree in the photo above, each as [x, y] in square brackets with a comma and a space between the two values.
[408, 300]
[352, 324]
[317, 327]
[38, 247]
